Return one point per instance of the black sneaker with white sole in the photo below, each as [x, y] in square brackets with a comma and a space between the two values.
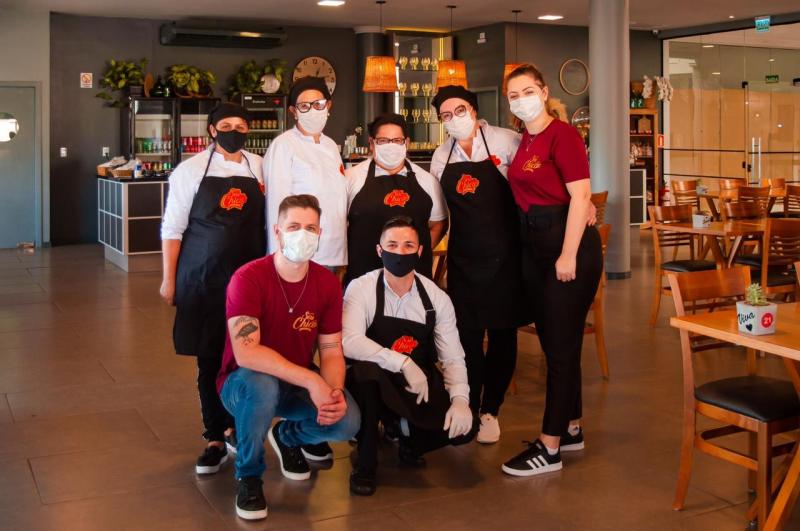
[534, 460]
[293, 464]
[250, 501]
[317, 452]
[211, 459]
[231, 442]
[572, 443]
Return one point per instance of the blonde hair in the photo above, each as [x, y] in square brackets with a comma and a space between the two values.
[553, 106]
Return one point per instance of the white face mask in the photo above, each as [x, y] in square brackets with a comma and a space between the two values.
[528, 108]
[390, 155]
[313, 121]
[460, 127]
[299, 245]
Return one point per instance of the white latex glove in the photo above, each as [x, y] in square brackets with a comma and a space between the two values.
[459, 418]
[417, 381]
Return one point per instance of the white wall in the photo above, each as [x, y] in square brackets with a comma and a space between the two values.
[25, 57]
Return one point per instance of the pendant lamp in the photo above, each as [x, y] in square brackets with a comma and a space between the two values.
[510, 67]
[379, 72]
[451, 71]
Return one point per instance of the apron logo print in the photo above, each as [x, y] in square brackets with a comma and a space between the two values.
[262, 187]
[396, 198]
[495, 160]
[405, 345]
[341, 169]
[306, 322]
[533, 163]
[234, 198]
[467, 184]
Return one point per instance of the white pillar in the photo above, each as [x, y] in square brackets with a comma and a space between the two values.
[609, 64]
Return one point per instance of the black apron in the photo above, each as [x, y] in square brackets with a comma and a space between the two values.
[226, 230]
[416, 340]
[382, 198]
[484, 278]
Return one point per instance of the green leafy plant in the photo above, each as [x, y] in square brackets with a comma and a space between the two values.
[754, 295]
[118, 76]
[248, 78]
[190, 81]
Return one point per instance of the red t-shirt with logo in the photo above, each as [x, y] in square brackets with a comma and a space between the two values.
[545, 163]
[254, 291]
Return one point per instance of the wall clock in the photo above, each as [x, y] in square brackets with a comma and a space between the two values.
[574, 77]
[318, 67]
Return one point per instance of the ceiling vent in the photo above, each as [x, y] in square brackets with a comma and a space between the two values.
[173, 35]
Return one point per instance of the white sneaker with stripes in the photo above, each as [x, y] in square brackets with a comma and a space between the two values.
[532, 461]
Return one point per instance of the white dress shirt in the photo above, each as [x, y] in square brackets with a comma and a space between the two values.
[357, 177]
[186, 178]
[359, 311]
[295, 164]
[503, 144]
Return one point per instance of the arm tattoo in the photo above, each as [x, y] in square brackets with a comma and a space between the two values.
[333, 344]
[249, 325]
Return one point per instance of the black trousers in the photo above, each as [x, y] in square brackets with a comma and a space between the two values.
[489, 371]
[373, 410]
[216, 418]
[560, 308]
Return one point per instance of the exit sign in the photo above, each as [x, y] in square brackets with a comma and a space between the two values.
[773, 78]
[762, 23]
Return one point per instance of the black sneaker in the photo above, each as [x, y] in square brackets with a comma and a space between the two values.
[250, 501]
[317, 452]
[293, 464]
[391, 430]
[534, 460]
[408, 457]
[231, 442]
[362, 481]
[211, 459]
[572, 443]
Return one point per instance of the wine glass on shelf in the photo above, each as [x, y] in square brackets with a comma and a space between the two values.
[427, 88]
[426, 63]
[414, 88]
[416, 113]
[404, 112]
[403, 61]
[426, 115]
[435, 64]
[414, 62]
[402, 86]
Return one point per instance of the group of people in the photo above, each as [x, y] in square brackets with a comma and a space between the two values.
[254, 251]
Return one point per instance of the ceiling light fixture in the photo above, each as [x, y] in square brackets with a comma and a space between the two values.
[510, 67]
[771, 59]
[451, 71]
[708, 46]
[715, 73]
[550, 17]
[380, 74]
[330, 3]
[731, 16]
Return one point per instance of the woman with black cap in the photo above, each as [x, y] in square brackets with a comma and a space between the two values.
[213, 224]
[483, 264]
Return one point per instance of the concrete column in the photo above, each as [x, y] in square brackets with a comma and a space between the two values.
[609, 64]
[369, 41]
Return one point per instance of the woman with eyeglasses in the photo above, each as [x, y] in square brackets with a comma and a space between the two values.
[305, 161]
[483, 265]
[385, 186]
[562, 260]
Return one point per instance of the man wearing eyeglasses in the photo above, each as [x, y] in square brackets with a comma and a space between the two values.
[385, 186]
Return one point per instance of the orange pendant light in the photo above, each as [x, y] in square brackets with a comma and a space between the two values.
[510, 67]
[379, 72]
[451, 71]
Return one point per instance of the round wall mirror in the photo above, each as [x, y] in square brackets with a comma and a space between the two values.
[574, 77]
[9, 127]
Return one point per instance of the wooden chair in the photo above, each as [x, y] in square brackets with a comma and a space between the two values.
[781, 248]
[740, 210]
[600, 200]
[663, 239]
[440, 263]
[685, 193]
[755, 194]
[775, 182]
[791, 204]
[731, 184]
[757, 405]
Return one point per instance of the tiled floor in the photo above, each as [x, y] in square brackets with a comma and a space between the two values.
[101, 426]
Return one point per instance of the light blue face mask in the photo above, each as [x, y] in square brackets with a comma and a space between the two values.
[299, 245]
[528, 108]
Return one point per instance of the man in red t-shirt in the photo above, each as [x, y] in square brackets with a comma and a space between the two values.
[280, 309]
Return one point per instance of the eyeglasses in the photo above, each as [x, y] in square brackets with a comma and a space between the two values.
[382, 141]
[305, 106]
[459, 111]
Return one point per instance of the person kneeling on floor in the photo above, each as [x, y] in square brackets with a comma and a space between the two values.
[397, 326]
[279, 309]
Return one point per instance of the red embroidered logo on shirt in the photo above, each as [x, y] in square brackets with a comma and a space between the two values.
[467, 184]
[306, 322]
[341, 169]
[234, 198]
[495, 160]
[262, 187]
[533, 163]
[405, 345]
[396, 198]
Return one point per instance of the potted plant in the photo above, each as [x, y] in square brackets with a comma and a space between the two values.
[121, 76]
[756, 315]
[253, 77]
[191, 82]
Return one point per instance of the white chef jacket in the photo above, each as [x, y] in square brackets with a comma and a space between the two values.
[359, 311]
[503, 144]
[295, 164]
[357, 176]
[186, 178]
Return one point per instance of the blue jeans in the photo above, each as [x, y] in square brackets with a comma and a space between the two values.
[255, 398]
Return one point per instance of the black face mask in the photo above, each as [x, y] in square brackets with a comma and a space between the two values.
[231, 141]
[399, 264]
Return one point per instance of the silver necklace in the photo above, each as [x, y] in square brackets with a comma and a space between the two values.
[280, 283]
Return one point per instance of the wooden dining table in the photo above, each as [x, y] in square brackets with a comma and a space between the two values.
[731, 195]
[785, 342]
[724, 237]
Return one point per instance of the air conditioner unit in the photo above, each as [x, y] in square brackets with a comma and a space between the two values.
[173, 35]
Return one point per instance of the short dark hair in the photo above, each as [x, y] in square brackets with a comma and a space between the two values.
[299, 201]
[388, 118]
[399, 222]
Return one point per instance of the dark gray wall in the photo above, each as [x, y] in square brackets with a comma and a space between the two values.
[80, 122]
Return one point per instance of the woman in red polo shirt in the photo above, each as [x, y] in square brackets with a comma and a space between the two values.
[561, 260]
